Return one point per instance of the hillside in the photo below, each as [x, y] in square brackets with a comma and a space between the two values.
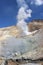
[15, 44]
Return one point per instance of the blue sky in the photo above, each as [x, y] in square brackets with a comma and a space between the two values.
[9, 10]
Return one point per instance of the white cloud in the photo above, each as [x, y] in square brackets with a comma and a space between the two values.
[37, 2]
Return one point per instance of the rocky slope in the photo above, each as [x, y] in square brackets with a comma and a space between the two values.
[36, 46]
[14, 44]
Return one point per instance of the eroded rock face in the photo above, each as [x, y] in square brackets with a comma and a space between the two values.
[35, 25]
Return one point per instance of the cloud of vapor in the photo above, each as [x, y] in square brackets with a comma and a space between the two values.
[22, 3]
[23, 14]
[37, 2]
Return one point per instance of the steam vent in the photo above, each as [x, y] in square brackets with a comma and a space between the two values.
[17, 48]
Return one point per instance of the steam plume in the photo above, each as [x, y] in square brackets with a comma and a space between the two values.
[23, 14]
